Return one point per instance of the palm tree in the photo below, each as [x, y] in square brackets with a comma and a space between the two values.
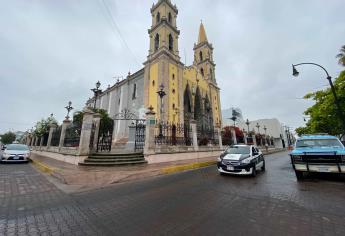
[341, 56]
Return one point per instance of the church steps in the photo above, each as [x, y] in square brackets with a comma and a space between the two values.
[112, 163]
[114, 159]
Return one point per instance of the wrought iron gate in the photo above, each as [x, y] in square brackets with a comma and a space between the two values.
[140, 128]
[105, 136]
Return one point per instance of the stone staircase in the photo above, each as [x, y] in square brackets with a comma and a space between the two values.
[114, 159]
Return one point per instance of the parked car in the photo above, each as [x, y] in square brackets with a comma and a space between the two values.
[318, 153]
[15, 153]
[241, 160]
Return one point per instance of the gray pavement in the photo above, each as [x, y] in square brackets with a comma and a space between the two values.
[197, 202]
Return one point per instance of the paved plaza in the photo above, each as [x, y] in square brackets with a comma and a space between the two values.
[199, 202]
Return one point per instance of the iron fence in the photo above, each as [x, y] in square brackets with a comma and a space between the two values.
[72, 136]
[172, 134]
[207, 136]
[45, 139]
[56, 137]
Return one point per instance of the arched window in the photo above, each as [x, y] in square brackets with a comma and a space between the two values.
[200, 56]
[158, 17]
[156, 42]
[169, 17]
[134, 94]
[202, 72]
[173, 76]
[171, 42]
[211, 73]
[153, 83]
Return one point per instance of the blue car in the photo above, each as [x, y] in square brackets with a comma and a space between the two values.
[318, 153]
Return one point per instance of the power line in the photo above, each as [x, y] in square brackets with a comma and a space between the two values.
[118, 31]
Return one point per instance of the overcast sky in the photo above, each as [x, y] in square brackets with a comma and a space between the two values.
[54, 51]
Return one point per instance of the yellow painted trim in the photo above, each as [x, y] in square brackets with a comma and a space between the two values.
[192, 166]
[43, 167]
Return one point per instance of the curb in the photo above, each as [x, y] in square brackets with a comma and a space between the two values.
[179, 168]
[42, 167]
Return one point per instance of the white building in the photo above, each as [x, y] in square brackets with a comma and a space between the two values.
[274, 129]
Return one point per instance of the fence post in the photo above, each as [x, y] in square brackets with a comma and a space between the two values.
[97, 122]
[254, 139]
[85, 135]
[150, 145]
[220, 138]
[51, 130]
[41, 142]
[245, 138]
[233, 134]
[64, 126]
[131, 137]
[194, 135]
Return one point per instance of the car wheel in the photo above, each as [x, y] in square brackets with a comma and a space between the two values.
[299, 175]
[263, 167]
[253, 171]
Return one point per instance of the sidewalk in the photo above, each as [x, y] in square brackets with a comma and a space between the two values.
[83, 178]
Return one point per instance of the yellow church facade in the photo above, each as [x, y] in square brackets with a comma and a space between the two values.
[191, 91]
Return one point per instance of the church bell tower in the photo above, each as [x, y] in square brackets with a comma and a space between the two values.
[163, 66]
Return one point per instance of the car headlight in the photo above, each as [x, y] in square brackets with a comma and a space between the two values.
[6, 155]
[26, 155]
[246, 161]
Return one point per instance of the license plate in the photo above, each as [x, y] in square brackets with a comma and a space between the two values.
[323, 169]
[230, 168]
[15, 158]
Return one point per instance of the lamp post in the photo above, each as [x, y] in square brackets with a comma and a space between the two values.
[258, 126]
[247, 123]
[68, 108]
[96, 91]
[161, 93]
[329, 78]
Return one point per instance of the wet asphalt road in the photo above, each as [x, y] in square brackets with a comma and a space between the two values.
[197, 202]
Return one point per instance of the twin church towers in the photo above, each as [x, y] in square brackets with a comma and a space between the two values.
[191, 91]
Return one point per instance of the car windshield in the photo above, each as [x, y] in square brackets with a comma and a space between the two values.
[17, 147]
[318, 143]
[238, 150]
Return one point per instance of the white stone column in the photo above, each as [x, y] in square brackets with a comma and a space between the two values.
[254, 139]
[64, 126]
[150, 145]
[233, 135]
[194, 135]
[51, 130]
[220, 138]
[97, 123]
[245, 138]
[85, 135]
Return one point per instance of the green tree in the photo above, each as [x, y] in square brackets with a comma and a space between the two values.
[324, 117]
[341, 56]
[8, 137]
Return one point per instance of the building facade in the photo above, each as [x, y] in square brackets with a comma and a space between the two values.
[191, 92]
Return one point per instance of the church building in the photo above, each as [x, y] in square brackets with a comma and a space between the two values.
[191, 92]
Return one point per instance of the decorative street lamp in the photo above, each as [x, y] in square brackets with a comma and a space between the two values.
[258, 126]
[247, 123]
[68, 108]
[329, 78]
[96, 91]
[161, 93]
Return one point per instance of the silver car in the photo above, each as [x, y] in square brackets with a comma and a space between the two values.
[15, 153]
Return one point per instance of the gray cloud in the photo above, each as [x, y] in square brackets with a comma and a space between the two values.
[54, 51]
